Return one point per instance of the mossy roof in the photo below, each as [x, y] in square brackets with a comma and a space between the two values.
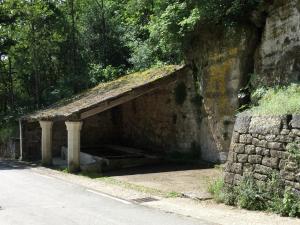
[104, 92]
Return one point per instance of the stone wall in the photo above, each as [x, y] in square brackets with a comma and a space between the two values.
[31, 140]
[166, 119]
[103, 128]
[259, 147]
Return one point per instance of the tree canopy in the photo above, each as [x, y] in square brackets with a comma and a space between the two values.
[51, 49]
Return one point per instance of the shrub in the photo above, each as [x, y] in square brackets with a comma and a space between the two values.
[252, 195]
[290, 204]
[222, 193]
[7, 132]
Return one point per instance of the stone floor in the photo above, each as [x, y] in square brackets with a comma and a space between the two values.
[192, 181]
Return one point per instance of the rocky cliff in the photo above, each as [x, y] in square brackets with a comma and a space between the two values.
[265, 50]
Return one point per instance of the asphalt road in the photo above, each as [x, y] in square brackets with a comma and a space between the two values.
[29, 198]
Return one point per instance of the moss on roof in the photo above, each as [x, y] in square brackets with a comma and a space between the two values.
[102, 93]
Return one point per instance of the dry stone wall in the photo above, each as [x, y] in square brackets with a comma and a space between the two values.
[260, 147]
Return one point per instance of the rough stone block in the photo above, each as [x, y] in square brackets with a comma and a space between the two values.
[230, 157]
[297, 185]
[261, 137]
[262, 151]
[270, 162]
[270, 137]
[235, 137]
[284, 138]
[246, 138]
[255, 141]
[237, 179]
[265, 125]
[296, 132]
[242, 158]
[249, 149]
[263, 169]
[229, 178]
[285, 132]
[227, 167]
[255, 159]
[239, 148]
[263, 144]
[291, 166]
[266, 152]
[282, 164]
[279, 154]
[242, 123]
[287, 175]
[248, 168]
[237, 168]
[295, 122]
[275, 145]
[260, 177]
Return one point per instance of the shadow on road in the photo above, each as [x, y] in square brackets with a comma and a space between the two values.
[6, 164]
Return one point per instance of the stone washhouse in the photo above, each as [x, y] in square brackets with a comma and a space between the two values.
[154, 110]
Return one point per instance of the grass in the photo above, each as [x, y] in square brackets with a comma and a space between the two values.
[277, 100]
[127, 185]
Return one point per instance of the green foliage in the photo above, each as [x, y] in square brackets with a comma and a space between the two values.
[216, 190]
[98, 74]
[290, 204]
[294, 150]
[50, 50]
[8, 128]
[249, 194]
[6, 132]
[277, 101]
[222, 193]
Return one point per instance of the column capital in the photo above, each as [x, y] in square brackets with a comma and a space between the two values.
[73, 125]
[46, 124]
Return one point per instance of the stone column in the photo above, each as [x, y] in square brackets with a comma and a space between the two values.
[46, 142]
[73, 145]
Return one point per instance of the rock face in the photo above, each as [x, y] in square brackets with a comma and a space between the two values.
[266, 52]
[278, 56]
[222, 63]
[262, 146]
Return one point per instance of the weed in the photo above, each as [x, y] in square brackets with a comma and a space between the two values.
[249, 194]
[294, 150]
[271, 101]
[173, 194]
[216, 189]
